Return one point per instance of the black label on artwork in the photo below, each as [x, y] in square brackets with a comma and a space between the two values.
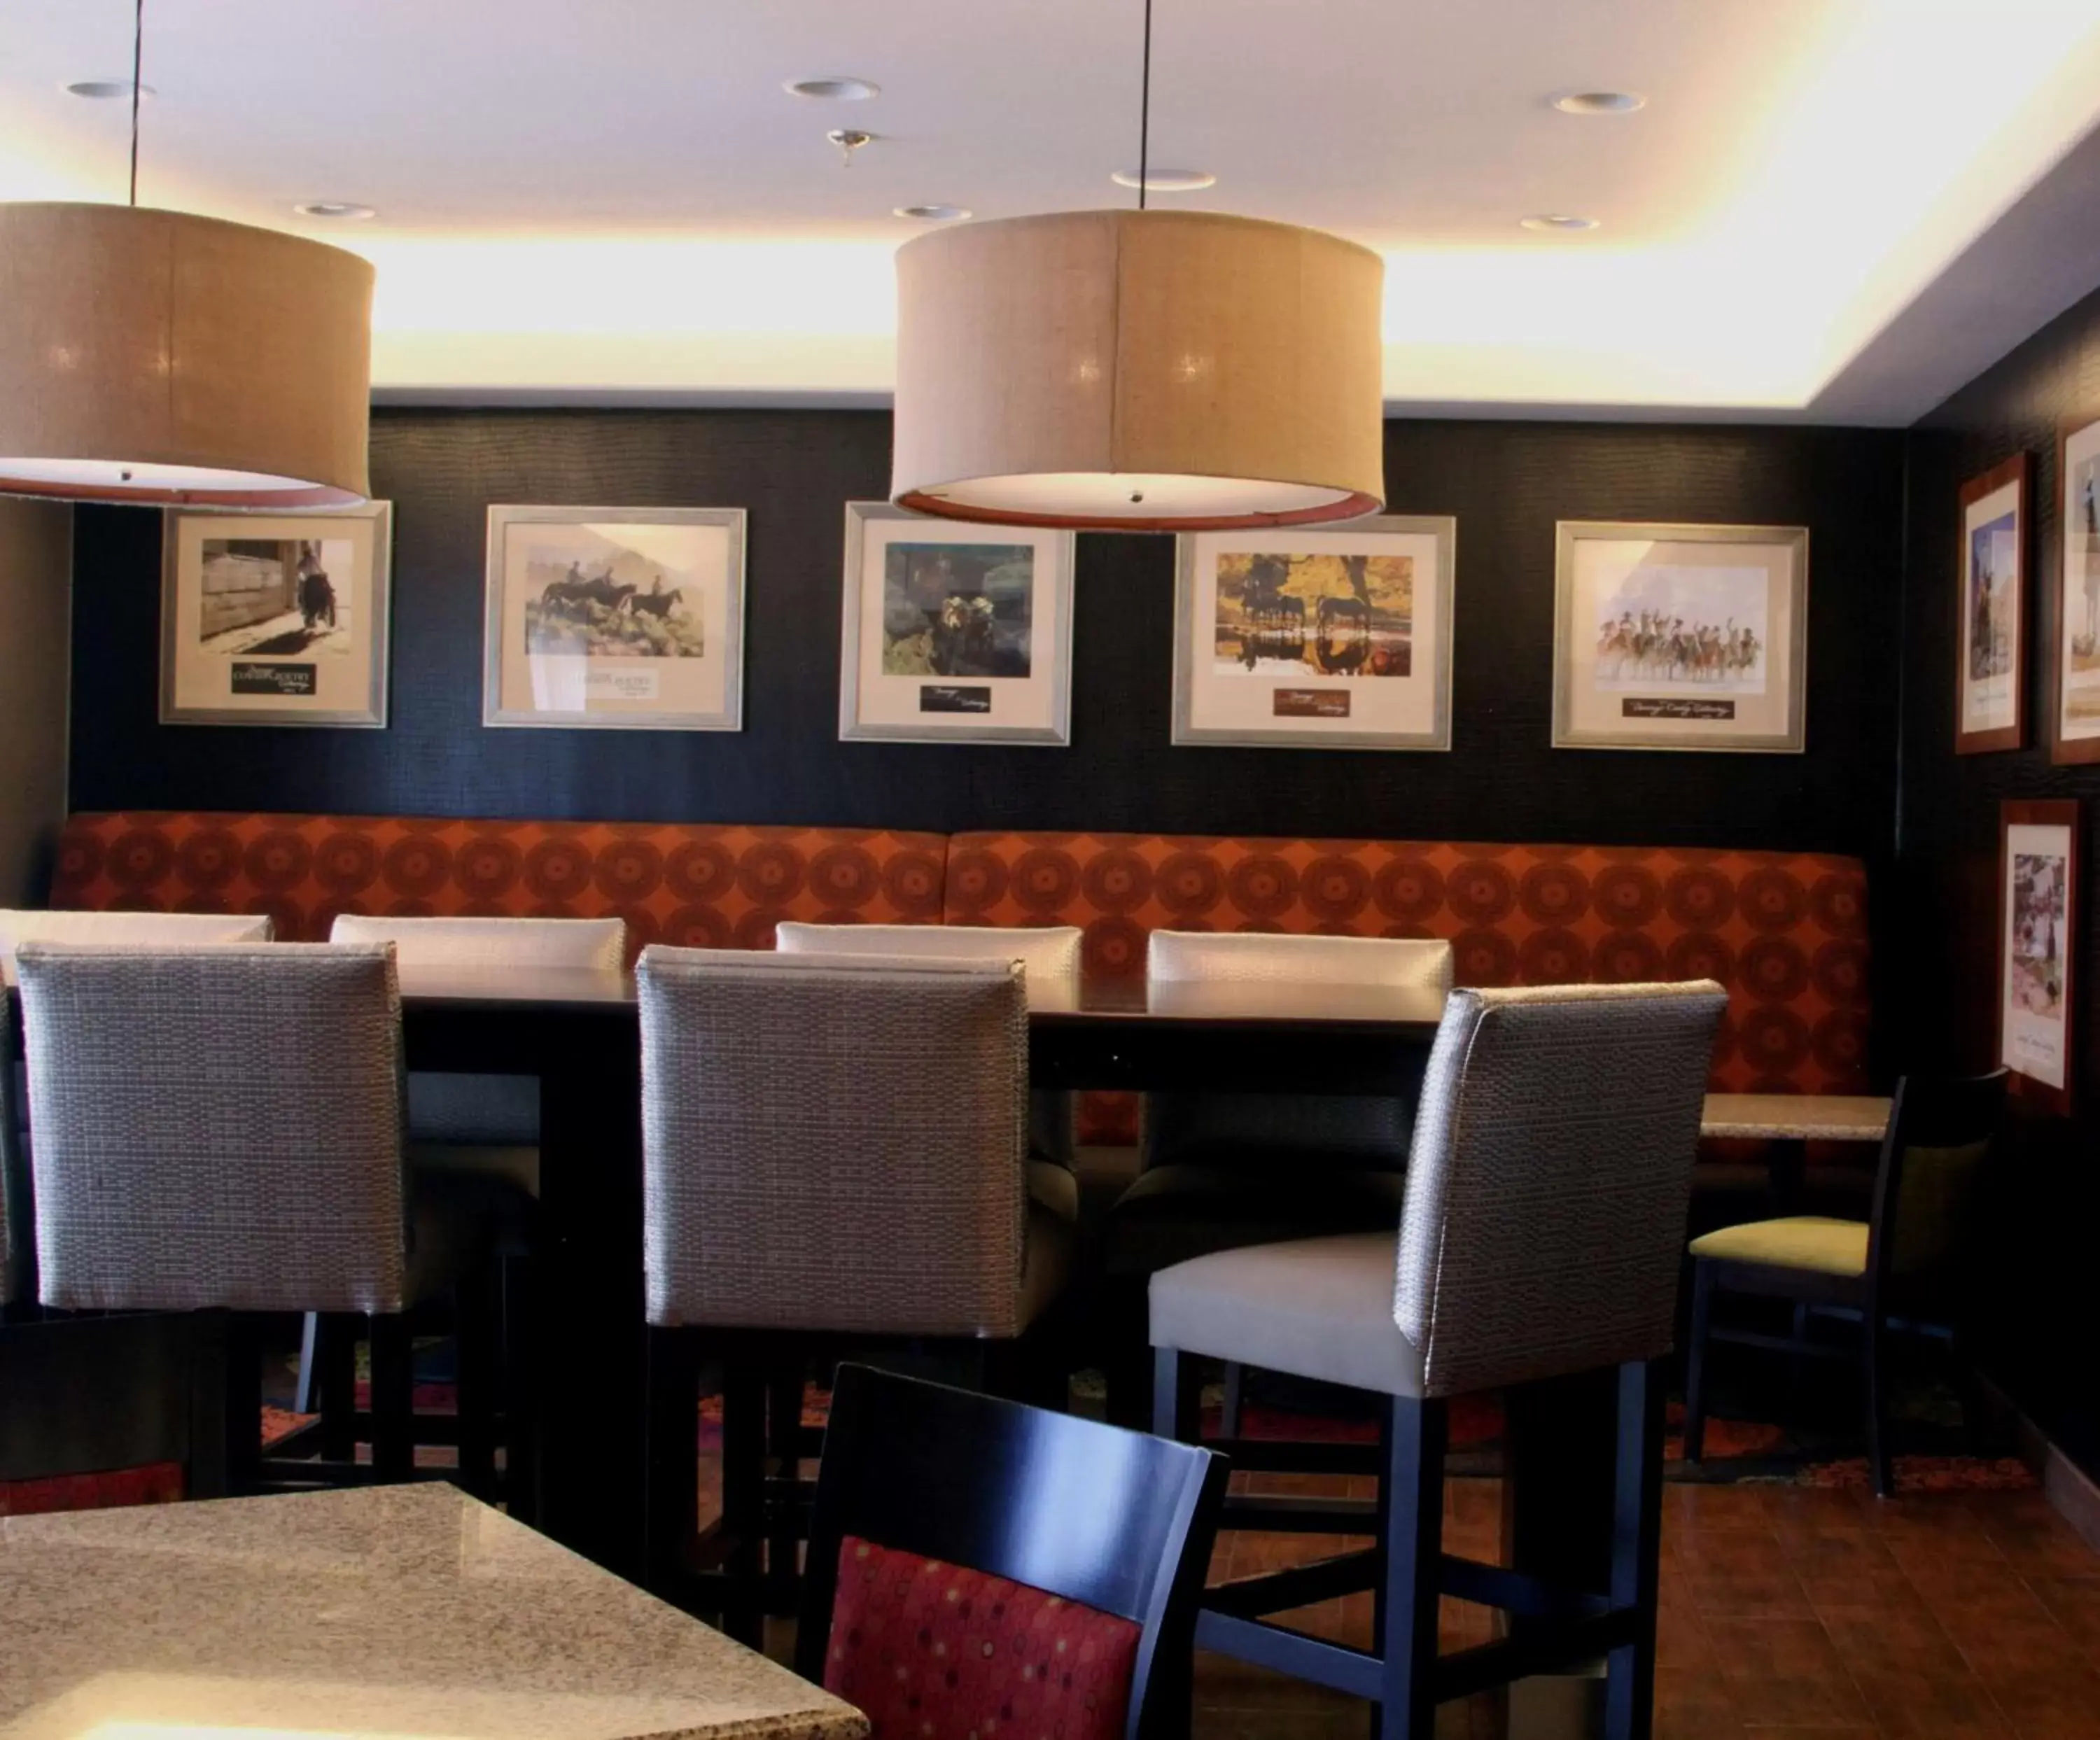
[251, 676]
[1311, 703]
[1635, 707]
[945, 697]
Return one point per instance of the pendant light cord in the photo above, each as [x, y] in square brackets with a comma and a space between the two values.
[137, 59]
[1144, 112]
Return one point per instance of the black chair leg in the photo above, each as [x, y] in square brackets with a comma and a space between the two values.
[206, 1476]
[1636, 1551]
[1176, 1396]
[783, 1419]
[1231, 1410]
[671, 1495]
[1873, 1362]
[744, 1501]
[335, 1386]
[1695, 1373]
[393, 1398]
[1411, 1497]
[243, 1404]
[519, 1328]
[474, 1317]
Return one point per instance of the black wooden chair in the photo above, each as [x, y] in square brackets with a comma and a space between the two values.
[969, 1555]
[1902, 1269]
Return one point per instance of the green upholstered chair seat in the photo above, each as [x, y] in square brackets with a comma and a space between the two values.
[1803, 1241]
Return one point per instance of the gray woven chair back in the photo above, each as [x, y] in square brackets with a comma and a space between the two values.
[833, 1143]
[1543, 1224]
[12, 1194]
[216, 1126]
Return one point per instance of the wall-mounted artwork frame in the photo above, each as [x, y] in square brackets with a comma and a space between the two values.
[2038, 901]
[275, 619]
[2074, 604]
[1680, 637]
[1990, 637]
[954, 632]
[1327, 638]
[615, 619]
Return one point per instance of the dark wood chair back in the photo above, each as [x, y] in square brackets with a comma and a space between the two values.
[1118, 1520]
[1932, 1160]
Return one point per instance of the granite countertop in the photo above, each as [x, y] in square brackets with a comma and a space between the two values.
[389, 1611]
[1804, 1118]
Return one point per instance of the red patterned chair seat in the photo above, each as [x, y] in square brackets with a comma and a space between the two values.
[699, 884]
[1785, 932]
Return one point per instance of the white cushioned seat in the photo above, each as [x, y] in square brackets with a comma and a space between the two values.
[1178, 957]
[1049, 956]
[1319, 1308]
[138, 930]
[599, 945]
[1799, 1241]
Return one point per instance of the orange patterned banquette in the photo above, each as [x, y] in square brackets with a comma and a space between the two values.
[1785, 932]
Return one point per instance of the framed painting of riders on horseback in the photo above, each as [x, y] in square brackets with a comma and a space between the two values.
[953, 632]
[1991, 684]
[1324, 639]
[615, 619]
[2075, 615]
[275, 620]
[1680, 637]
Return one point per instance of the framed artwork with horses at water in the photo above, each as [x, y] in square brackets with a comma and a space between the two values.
[952, 632]
[615, 619]
[275, 620]
[1323, 639]
[1680, 637]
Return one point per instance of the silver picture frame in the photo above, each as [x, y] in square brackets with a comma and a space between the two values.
[1051, 727]
[1190, 731]
[497, 648]
[369, 691]
[1710, 735]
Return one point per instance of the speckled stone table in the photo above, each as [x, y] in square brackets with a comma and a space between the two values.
[1790, 1122]
[393, 1611]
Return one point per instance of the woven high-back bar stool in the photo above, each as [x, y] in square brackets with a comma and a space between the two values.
[1541, 1236]
[217, 1128]
[834, 1155]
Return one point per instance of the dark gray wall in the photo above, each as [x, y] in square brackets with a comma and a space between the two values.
[1508, 483]
[35, 580]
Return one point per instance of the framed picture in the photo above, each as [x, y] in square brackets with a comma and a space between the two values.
[954, 632]
[2074, 615]
[275, 620]
[2037, 951]
[1991, 703]
[1316, 639]
[616, 618]
[1680, 637]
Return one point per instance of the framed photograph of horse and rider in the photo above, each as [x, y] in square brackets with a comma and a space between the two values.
[953, 632]
[1326, 639]
[615, 619]
[2074, 619]
[275, 620]
[1990, 712]
[1680, 637]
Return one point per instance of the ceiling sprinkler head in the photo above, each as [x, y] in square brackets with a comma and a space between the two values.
[849, 140]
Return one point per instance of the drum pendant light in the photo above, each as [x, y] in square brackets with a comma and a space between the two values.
[1139, 370]
[153, 356]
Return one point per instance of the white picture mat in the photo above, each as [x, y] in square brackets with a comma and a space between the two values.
[2078, 590]
[700, 552]
[878, 704]
[1242, 704]
[1991, 703]
[2034, 1045]
[349, 682]
[1602, 570]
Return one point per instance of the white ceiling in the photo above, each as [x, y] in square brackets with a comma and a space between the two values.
[587, 197]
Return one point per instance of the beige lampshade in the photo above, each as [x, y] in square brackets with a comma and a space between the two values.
[152, 356]
[1161, 371]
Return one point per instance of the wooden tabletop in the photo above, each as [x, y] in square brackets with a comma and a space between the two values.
[1798, 1117]
[393, 1610]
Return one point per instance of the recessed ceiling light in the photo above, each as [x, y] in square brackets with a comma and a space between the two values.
[104, 90]
[833, 90]
[1165, 181]
[343, 211]
[1558, 220]
[1599, 103]
[934, 213]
